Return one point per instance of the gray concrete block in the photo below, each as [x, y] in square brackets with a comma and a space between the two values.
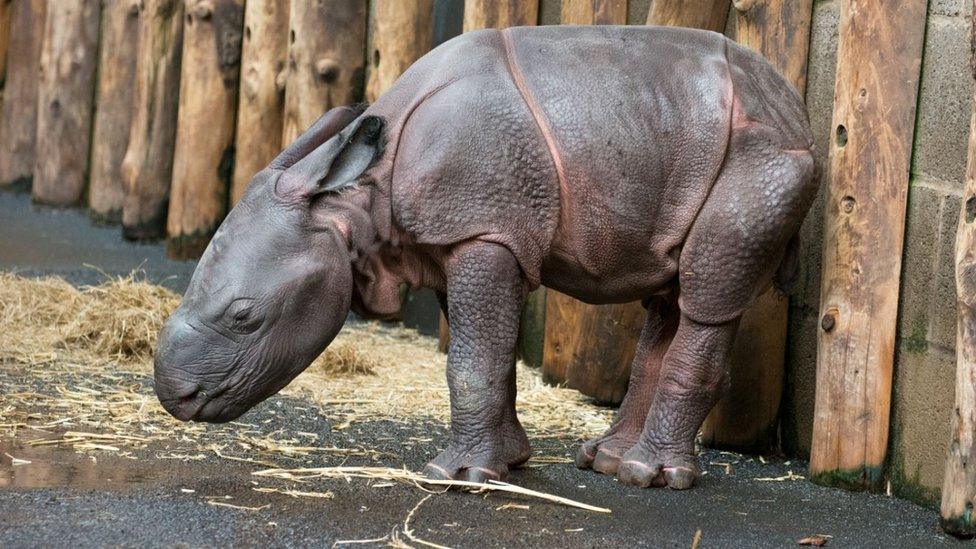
[922, 402]
[942, 326]
[927, 307]
[945, 102]
[920, 262]
[952, 8]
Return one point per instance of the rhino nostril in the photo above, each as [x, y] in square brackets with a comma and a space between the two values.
[186, 399]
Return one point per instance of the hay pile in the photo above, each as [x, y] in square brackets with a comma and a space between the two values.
[47, 319]
[80, 360]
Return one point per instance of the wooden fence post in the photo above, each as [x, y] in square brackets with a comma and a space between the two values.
[746, 417]
[590, 347]
[498, 14]
[147, 166]
[699, 14]
[959, 486]
[204, 153]
[65, 93]
[326, 60]
[483, 14]
[113, 107]
[5, 9]
[18, 119]
[262, 98]
[401, 32]
[878, 63]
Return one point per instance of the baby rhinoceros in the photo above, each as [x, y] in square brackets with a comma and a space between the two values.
[612, 164]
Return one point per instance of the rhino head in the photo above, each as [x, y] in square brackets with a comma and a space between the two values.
[276, 282]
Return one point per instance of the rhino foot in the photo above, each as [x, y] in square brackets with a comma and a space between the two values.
[482, 458]
[646, 468]
[603, 453]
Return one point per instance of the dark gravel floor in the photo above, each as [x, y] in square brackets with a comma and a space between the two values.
[64, 499]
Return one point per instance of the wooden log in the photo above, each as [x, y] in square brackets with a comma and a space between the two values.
[147, 167]
[264, 53]
[113, 107]
[878, 62]
[498, 14]
[204, 153]
[326, 60]
[959, 486]
[5, 8]
[590, 347]
[18, 120]
[65, 95]
[746, 416]
[594, 12]
[401, 32]
[482, 14]
[699, 14]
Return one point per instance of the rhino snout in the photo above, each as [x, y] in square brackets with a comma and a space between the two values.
[184, 393]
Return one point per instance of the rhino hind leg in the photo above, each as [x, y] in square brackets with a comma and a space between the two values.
[729, 257]
[603, 453]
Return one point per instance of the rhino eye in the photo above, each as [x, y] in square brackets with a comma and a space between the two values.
[241, 316]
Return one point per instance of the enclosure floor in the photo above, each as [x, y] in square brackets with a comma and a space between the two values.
[150, 496]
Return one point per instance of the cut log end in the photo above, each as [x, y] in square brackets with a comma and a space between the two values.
[184, 247]
[963, 526]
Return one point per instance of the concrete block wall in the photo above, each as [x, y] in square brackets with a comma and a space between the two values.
[925, 361]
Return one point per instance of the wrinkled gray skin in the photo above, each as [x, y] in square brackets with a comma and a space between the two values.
[609, 163]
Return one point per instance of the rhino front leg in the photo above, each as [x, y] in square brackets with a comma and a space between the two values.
[485, 294]
[693, 375]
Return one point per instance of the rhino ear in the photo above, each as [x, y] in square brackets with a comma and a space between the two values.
[323, 129]
[338, 162]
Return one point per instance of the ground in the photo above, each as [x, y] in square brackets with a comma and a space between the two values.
[153, 482]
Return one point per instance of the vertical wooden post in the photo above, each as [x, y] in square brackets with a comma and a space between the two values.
[204, 153]
[5, 9]
[746, 417]
[326, 60]
[878, 63]
[590, 347]
[147, 166]
[113, 107]
[262, 98]
[699, 14]
[498, 14]
[18, 120]
[482, 14]
[959, 486]
[65, 93]
[401, 32]
[594, 12]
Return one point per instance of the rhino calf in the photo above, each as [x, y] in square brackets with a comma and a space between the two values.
[612, 164]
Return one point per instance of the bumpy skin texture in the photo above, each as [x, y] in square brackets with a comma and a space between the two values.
[610, 163]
